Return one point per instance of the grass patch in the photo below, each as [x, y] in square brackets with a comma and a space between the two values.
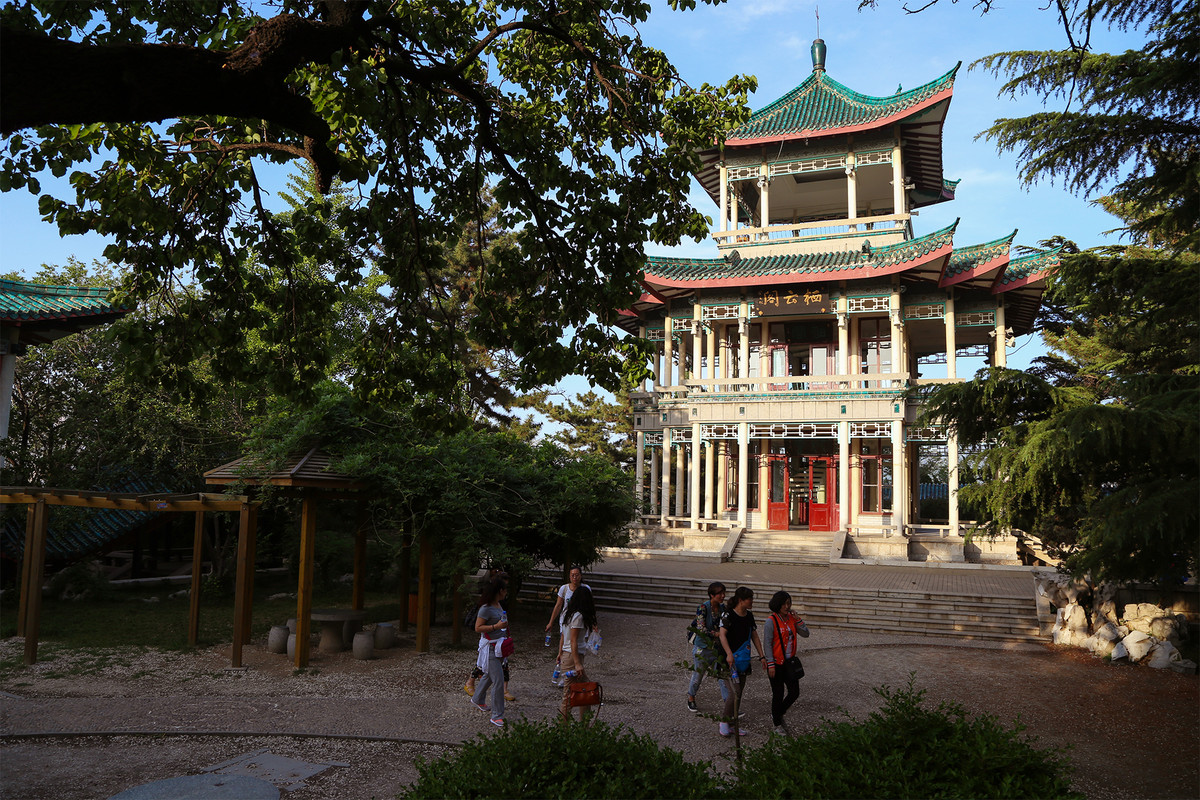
[130, 618]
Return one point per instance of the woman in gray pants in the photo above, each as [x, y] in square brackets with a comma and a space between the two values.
[491, 623]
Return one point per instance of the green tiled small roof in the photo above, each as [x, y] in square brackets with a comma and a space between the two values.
[818, 265]
[968, 258]
[20, 300]
[45, 313]
[822, 105]
[1028, 266]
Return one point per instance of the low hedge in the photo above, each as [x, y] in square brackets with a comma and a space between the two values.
[556, 760]
[903, 750]
[906, 750]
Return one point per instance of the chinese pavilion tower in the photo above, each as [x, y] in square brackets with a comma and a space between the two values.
[781, 366]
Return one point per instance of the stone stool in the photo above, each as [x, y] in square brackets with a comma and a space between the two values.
[364, 645]
[278, 638]
[385, 635]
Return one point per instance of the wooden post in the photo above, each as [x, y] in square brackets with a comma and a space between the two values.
[250, 512]
[405, 581]
[26, 566]
[456, 630]
[424, 594]
[308, 538]
[360, 560]
[33, 602]
[239, 590]
[197, 563]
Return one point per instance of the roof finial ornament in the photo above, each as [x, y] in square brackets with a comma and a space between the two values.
[818, 47]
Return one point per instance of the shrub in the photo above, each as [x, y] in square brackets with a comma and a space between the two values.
[556, 760]
[905, 750]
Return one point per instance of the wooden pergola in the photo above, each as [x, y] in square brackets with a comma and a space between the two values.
[310, 476]
[33, 560]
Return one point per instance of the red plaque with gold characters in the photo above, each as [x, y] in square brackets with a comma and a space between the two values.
[788, 300]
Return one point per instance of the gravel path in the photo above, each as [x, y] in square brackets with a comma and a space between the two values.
[1135, 731]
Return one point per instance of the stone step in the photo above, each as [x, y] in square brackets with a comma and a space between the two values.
[926, 613]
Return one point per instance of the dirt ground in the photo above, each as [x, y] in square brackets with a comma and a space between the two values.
[1134, 732]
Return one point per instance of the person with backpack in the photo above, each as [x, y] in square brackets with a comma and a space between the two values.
[783, 667]
[703, 635]
[579, 620]
[738, 631]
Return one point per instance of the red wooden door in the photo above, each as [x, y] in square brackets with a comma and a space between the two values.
[822, 494]
[777, 494]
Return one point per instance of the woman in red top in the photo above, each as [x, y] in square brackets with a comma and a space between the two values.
[779, 636]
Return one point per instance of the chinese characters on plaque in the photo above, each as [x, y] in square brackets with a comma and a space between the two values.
[776, 302]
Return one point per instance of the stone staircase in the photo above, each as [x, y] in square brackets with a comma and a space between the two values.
[783, 547]
[868, 610]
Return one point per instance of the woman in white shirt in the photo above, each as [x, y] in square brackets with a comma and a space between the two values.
[579, 620]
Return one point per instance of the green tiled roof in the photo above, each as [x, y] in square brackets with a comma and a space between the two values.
[21, 301]
[70, 537]
[967, 258]
[822, 264]
[821, 104]
[1028, 265]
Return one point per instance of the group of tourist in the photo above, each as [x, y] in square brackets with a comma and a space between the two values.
[730, 626]
[575, 615]
[723, 630]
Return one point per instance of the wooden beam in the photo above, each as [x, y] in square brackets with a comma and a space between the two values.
[33, 603]
[308, 538]
[405, 580]
[197, 563]
[251, 512]
[26, 566]
[239, 590]
[121, 503]
[360, 559]
[424, 594]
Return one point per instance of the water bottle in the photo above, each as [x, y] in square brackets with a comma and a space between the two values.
[569, 674]
[733, 674]
[547, 640]
[596, 645]
[555, 675]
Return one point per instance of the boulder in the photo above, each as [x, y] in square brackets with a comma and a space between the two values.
[1138, 645]
[1184, 666]
[1104, 605]
[1119, 652]
[1071, 625]
[1162, 655]
[1110, 632]
[1157, 622]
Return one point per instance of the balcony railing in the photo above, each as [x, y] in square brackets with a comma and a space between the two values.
[884, 229]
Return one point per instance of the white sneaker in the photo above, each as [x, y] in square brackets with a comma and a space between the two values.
[782, 730]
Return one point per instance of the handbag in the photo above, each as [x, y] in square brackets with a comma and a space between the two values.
[792, 668]
[584, 693]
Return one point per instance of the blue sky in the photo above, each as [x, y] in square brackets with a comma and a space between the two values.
[871, 52]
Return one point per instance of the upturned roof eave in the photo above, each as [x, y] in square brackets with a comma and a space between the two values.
[882, 122]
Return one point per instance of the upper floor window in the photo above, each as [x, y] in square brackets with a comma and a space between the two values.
[875, 345]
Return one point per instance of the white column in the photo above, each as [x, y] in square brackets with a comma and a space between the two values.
[733, 206]
[710, 351]
[697, 344]
[710, 480]
[723, 216]
[899, 205]
[851, 189]
[722, 476]
[951, 345]
[952, 479]
[843, 321]
[764, 194]
[744, 341]
[899, 482]
[655, 489]
[897, 331]
[743, 472]
[665, 510]
[844, 475]
[764, 352]
[640, 479]
[681, 464]
[668, 350]
[1000, 353]
[694, 486]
